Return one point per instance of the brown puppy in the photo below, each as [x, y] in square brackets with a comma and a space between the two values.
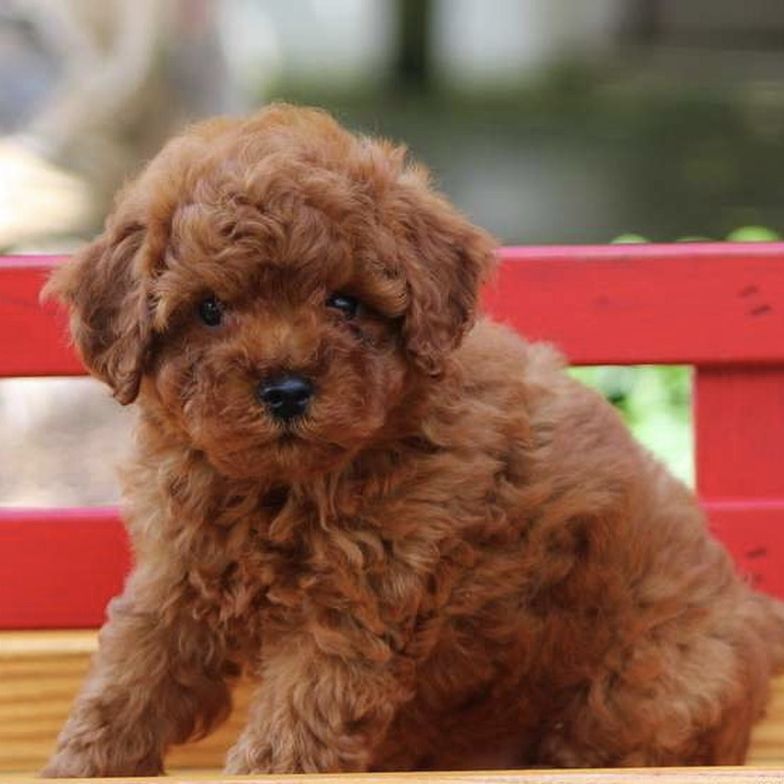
[431, 546]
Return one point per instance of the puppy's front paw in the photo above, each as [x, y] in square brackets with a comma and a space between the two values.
[245, 758]
[250, 755]
[75, 761]
[65, 765]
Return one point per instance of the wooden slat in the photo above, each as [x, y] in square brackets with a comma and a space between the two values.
[630, 776]
[739, 437]
[647, 304]
[753, 531]
[651, 776]
[33, 336]
[739, 431]
[716, 303]
[58, 568]
[42, 671]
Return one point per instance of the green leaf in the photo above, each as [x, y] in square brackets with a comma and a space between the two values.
[629, 239]
[753, 234]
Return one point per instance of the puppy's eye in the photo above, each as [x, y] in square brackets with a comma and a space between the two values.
[211, 311]
[348, 306]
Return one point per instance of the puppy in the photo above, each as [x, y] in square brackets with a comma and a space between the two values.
[431, 547]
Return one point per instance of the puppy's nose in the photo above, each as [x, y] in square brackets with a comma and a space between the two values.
[285, 397]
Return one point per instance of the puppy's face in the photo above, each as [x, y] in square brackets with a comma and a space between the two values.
[275, 290]
[281, 352]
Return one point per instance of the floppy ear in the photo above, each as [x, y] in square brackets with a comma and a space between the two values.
[449, 259]
[106, 294]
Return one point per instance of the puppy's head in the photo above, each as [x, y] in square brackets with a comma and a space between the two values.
[275, 288]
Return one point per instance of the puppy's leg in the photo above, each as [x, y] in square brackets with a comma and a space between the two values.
[316, 713]
[668, 706]
[153, 681]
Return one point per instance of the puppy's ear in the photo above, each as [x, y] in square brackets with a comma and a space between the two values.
[449, 259]
[105, 291]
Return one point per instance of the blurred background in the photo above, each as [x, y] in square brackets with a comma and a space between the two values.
[546, 121]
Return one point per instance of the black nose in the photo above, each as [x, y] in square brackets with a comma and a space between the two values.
[285, 397]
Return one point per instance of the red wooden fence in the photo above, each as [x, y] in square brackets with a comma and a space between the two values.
[719, 308]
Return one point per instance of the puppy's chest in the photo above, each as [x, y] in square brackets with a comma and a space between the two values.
[265, 574]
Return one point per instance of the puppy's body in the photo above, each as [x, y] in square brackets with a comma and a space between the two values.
[456, 558]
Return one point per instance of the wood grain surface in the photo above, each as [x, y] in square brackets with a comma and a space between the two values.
[40, 673]
[648, 776]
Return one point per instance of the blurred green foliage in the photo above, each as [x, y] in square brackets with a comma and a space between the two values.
[741, 234]
[655, 401]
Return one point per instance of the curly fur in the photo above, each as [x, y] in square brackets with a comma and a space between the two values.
[459, 558]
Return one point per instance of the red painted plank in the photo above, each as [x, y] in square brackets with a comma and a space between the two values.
[637, 304]
[33, 338]
[739, 418]
[705, 304]
[59, 567]
[753, 531]
[682, 304]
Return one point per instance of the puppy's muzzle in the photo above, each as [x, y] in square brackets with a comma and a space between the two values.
[285, 397]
